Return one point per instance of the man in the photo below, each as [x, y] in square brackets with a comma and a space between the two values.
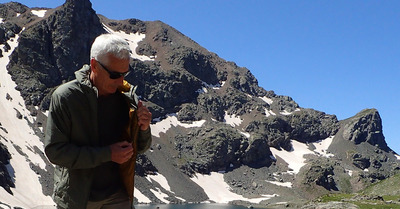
[89, 133]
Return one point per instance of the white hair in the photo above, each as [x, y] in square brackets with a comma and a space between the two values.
[106, 44]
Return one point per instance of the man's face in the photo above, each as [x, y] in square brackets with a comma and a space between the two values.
[101, 78]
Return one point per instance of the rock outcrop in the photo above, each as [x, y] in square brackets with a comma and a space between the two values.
[51, 49]
[5, 179]
[366, 126]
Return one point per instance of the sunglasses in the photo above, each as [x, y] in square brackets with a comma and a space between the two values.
[113, 74]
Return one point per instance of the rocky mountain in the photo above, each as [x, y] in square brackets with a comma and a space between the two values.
[213, 127]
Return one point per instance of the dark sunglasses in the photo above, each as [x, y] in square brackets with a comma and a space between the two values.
[113, 74]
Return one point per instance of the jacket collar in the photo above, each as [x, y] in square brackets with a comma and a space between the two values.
[83, 77]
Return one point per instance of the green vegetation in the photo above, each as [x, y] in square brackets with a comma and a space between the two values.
[381, 195]
[377, 206]
[335, 197]
[364, 202]
[389, 187]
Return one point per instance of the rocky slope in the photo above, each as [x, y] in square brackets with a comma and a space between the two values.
[210, 115]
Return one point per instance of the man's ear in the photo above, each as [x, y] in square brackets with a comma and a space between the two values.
[93, 65]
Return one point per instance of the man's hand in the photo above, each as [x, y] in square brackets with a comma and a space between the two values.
[121, 152]
[144, 116]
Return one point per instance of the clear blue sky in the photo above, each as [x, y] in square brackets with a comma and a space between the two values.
[338, 57]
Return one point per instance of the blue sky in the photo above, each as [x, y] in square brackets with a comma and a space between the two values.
[338, 57]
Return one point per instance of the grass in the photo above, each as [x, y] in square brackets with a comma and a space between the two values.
[370, 198]
[377, 206]
[335, 197]
[364, 204]
[389, 187]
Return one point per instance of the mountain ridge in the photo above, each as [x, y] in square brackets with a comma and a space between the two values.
[210, 115]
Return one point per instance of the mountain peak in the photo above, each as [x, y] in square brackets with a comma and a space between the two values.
[52, 49]
[78, 3]
[366, 126]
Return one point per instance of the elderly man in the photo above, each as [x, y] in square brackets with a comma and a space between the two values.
[95, 129]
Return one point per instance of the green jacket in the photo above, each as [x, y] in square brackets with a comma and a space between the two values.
[71, 139]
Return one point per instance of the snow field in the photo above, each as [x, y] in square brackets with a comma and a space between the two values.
[219, 191]
[21, 142]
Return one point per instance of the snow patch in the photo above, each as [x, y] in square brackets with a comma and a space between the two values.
[133, 40]
[172, 120]
[295, 157]
[218, 190]
[223, 83]
[350, 172]
[267, 100]
[141, 197]
[159, 178]
[160, 195]
[397, 156]
[269, 112]
[283, 184]
[322, 147]
[285, 112]
[209, 86]
[232, 120]
[202, 90]
[246, 134]
[39, 13]
[19, 138]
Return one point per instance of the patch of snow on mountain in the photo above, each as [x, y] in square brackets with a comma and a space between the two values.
[202, 90]
[295, 157]
[209, 86]
[285, 112]
[322, 146]
[21, 142]
[397, 156]
[269, 112]
[246, 134]
[39, 13]
[350, 172]
[216, 86]
[267, 100]
[232, 120]
[279, 181]
[1, 20]
[133, 40]
[283, 184]
[218, 190]
[160, 195]
[140, 196]
[172, 120]
[159, 178]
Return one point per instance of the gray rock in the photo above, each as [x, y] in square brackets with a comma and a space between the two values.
[366, 126]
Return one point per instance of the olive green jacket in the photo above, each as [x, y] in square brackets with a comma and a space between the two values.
[71, 139]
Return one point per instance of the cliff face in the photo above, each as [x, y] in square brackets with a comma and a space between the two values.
[366, 126]
[51, 48]
[209, 114]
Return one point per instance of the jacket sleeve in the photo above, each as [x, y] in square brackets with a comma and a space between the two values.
[144, 141]
[59, 146]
